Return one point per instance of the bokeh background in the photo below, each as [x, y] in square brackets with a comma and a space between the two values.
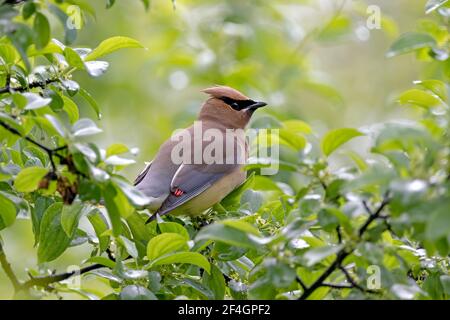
[310, 60]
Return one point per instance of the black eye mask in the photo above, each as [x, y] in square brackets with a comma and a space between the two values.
[238, 105]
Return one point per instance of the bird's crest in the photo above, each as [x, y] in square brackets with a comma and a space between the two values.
[224, 91]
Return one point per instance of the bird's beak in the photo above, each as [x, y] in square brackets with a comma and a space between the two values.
[257, 105]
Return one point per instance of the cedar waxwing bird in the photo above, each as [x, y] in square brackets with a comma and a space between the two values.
[211, 162]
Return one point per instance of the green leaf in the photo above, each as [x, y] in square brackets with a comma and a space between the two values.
[439, 220]
[241, 225]
[40, 205]
[215, 282]
[409, 42]
[71, 86]
[316, 255]
[103, 261]
[70, 217]
[96, 68]
[226, 234]
[419, 98]
[35, 101]
[165, 243]
[11, 122]
[115, 149]
[73, 58]
[297, 126]
[438, 87]
[28, 9]
[433, 5]
[53, 239]
[110, 45]
[7, 212]
[183, 257]
[85, 127]
[87, 96]
[235, 196]
[71, 109]
[135, 292]
[100, 225]
[291, 139]
[117, 205]
[129, 246]
[50, 48]
[335, 138]
[134, 195]
[28, 179]
[42, 30]
[173, 227]
[358, 160]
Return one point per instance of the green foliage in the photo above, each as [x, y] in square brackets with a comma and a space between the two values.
[313, 231]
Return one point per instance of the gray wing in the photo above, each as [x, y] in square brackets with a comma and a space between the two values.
[143, 173]
[192, 180]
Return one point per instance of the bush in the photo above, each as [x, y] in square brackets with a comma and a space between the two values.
[367, 224]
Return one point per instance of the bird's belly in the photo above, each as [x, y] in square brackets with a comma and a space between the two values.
[212, 195]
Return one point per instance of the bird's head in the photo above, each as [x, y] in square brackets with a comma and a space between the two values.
[228, 106]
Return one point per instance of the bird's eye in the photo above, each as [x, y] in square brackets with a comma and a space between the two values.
[234, 105]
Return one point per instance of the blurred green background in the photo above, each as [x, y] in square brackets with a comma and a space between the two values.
[310, 60]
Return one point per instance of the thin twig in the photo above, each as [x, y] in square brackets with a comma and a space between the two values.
[8, 270]
[50, 152]
[353, 283]
[339, 234]
[302, 284]
[336, 285]
[373, 215]
[341, 255]
[44, 281]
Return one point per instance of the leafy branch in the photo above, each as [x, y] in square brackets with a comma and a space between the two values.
[341, 255]
[37, 84]
[40, 281]
[44, 281]
[50, 152]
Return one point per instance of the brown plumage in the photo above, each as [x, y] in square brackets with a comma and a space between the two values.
[189, 187]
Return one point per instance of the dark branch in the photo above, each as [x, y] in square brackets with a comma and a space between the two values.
[40, 281]
[341, 255]
[339, 234]
[373, 215]
[353, 283]
[344, 252]
[32, 85]
[44, 281]
[337, 285]
[302, 284]
[51, 152]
